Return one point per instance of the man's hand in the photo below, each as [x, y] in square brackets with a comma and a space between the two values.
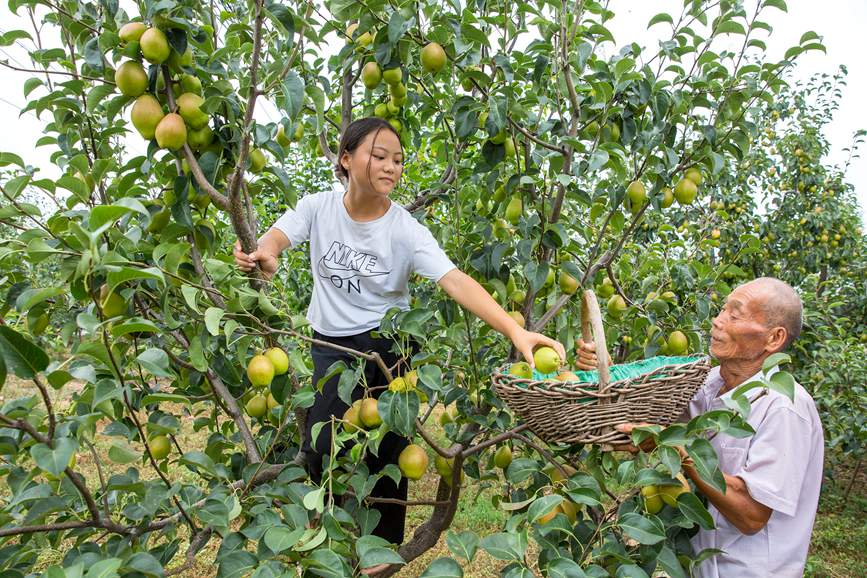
[267, 261]
[526, 341]
[647, 445]
[587, 359]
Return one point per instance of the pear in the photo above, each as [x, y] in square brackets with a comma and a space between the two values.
[188, 107]
[131, 78]
[146, 114]
[154, 46]
[171, 132]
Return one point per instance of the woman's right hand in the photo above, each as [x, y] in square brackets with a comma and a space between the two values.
[267, 261]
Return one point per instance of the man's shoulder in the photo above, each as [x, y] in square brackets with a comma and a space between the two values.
[802, 405]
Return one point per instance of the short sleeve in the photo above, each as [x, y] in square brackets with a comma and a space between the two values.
[429, 260]
[775, 467]
[295, 223]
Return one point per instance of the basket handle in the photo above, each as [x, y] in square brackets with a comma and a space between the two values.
[592, 330]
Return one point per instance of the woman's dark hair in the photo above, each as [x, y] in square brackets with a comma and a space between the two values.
[356, 132]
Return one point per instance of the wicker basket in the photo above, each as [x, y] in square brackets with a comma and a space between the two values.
[573, 412]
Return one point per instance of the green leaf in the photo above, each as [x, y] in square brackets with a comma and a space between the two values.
[443, 568]
[706, 463]
[134, 326]
[730, 27]
[104, 216]
[165, 397]
[124, 274]
[54, 460]
[521, 469]
[374, 556]
[314, 542]
[293, 94]
[281, 538]
[104, 568]
[213, 316]
[503, 546]
[693, 508]
[774, 360]
[236, 564]
[146, 564]
[661, 17]
[399, 411]
[565, 568]
[667, 559]
[22, 356]
[779, 4]
[31, 297]
[542, 506]
[783, 382]
[463, 544]
[630, 571]
[807, 36]
[643, 529]
[156, 361]
[121, 453]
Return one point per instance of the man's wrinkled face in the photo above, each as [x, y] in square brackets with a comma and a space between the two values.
[739, 331]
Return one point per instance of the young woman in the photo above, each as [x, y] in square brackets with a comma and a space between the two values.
[363, 248]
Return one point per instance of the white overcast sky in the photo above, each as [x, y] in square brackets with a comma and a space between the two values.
[840, 23]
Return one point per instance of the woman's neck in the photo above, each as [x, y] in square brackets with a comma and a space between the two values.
[364, 207]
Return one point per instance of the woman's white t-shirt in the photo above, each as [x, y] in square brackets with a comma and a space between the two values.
[360, 269]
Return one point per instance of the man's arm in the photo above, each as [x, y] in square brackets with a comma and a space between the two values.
[737, 505]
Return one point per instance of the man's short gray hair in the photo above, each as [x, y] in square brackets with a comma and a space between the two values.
[782, 307]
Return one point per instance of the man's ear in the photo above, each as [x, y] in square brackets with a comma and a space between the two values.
[777, 339]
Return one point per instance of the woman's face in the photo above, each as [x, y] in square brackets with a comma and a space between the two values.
[376, 164]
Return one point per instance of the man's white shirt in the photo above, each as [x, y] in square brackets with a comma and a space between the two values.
[781, 465]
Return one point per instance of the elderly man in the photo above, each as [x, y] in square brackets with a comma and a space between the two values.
[765, 518]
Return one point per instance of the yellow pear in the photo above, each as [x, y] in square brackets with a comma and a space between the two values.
[568, 284]
[257, 161]
[433, 58]
[131, 31]
[678, 344]
[171, 132]
[260, 371]
[112, 304]
[278, 359]
[146, 114]
[160, 447]
[413, 461]
[154, 46]
[518, 317]
[371, 75]
[131, 78]
[257, 406]
[685, 191]
[189, 104]
[514, 210]
[503, 457]
[369, 413]
[546, 359]
[521, 369]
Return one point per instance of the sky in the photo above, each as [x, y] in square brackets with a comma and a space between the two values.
[840, 23]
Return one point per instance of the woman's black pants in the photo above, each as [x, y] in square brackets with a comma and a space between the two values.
[327, 404]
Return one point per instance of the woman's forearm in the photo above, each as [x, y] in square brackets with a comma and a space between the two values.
[468, 293]
[274, 241]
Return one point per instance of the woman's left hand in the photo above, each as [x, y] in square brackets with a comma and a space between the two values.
[526, 341]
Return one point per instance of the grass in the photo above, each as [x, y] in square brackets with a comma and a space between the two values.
[837, 549]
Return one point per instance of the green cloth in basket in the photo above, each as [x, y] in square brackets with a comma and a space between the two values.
[626, 370]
